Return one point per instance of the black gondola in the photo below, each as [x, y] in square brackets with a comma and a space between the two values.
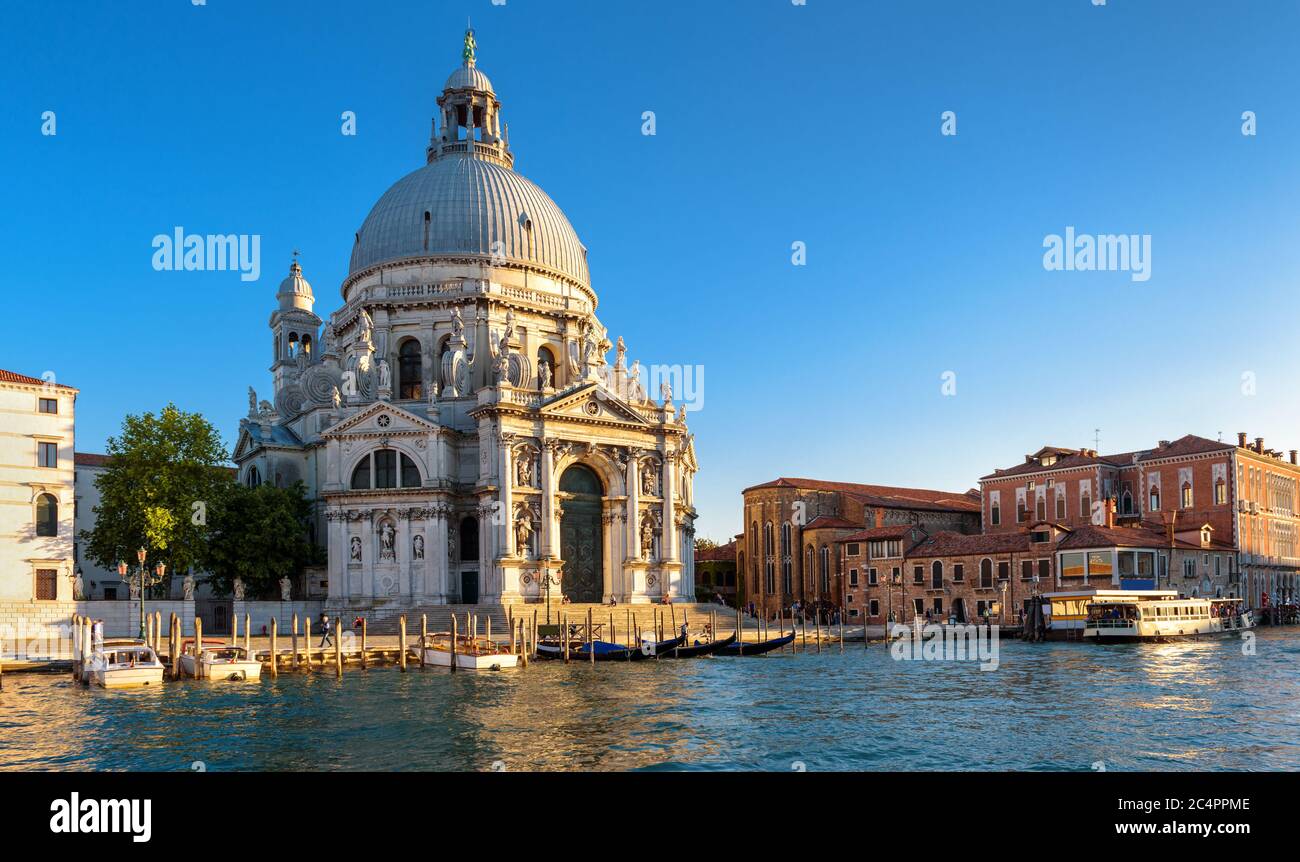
[698, 650]
[606, 651]
[744, 649]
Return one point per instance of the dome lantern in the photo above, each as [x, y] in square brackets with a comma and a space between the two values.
[469, 121]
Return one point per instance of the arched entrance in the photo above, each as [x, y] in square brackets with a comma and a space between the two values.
[580, 537]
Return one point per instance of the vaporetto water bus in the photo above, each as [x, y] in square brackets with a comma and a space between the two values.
[1119, 619]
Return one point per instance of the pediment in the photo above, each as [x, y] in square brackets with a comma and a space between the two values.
[592, 402]
[381, 417]
[243, 446]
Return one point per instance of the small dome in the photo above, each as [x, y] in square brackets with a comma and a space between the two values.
[468, 77]
[294, 291]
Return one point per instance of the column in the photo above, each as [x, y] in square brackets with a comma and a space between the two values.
[547, 542]
[335, 554]
[632, 528]
[505, 530]
[439, 553]
[670, 518]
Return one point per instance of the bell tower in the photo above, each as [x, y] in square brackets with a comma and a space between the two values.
[293, 326]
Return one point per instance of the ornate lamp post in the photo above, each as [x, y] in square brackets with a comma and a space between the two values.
[144, 578]
[549, 580]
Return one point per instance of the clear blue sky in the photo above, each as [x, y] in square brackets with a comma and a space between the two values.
[776, 123]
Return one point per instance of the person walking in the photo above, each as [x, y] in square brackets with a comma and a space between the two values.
[325, 639]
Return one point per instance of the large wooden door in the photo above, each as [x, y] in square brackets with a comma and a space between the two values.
[581, 545]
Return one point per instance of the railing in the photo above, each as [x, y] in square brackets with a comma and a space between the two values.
[1110, 624]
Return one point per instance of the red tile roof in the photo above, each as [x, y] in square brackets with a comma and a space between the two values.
[89, 459]
[895, 531]
[885, 495]
[949, 544]
[724, 553]
[15, 377]
[828, 522]
[1189, 445]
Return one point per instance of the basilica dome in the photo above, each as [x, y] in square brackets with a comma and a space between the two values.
[459, 206]
[467, 202]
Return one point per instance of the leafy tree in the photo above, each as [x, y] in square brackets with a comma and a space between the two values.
[260, 535]
[703, 544]
[164, 473]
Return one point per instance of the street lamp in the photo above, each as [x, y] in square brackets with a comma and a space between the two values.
[144, 578]
[549, 579]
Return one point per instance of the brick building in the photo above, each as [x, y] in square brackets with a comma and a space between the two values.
[715, 573]
[789, 550]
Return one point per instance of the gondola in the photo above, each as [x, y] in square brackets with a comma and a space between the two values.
[699, 650]
[744, 649]
[606, 651]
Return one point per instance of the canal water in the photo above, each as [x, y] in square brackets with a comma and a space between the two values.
[1188, 706]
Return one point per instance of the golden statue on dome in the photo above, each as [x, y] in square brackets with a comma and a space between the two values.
[470, 45]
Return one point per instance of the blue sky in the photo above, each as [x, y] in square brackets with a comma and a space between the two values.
[776, 123]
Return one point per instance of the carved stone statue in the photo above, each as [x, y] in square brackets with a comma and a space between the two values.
[336, 397]
[387, 535]
[356, 549]
[286, 588]
[457, 324]
[252, 401]
[385, 376]
[133, 584]
[187, 586]
[238, 589]
[647, 537]
[621, 361]
[78, 587]
[417, 547]
[666, 393]
[523, 532]
[366, 329]
[544, 375]
[327, 340]
[524, 471]
[648, 481]
[635, 391]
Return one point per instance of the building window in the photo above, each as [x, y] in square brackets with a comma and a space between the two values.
[826, 570]
[1026, 570]
[995, 514]
[1004, 570]
[47, 515]
[1154, 502]
[255, 477]
[958, 573]
[1085, 505]
[918, 575]
[1040, 509]
[875, 607]
[47, 585]
[48, 405]
[853, 577]
[938, 607]
[47, 454]
[986, 574]
[1220, 492]
[936, 575]
[853, 549]
[408, 370]
[383, 466]
[1022, 514]
[1187, 495]
[1060, 506]
[873, 577]
[1044, 570]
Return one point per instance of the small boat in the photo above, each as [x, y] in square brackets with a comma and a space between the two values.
[220, 661]
[124, 665]
[741, 648]
[700, 650]
[606, 651]
[472, 653]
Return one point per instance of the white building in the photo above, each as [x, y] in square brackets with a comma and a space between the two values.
[456, 420]
[36, 489]
[98, 582]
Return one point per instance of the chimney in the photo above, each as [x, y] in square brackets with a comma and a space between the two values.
[1110, 514]
[1241, 439]
[1293, 456]
[1259, 445]
[1164, 444]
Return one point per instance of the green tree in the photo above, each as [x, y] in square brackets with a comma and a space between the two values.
[703, 544]
[165, 472]
[260, 535]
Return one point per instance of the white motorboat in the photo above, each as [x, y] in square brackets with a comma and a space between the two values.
[220, 661]
[472, 653]
[123, 665]
[1117, 620]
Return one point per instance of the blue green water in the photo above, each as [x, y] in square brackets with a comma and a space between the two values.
[1186, 706]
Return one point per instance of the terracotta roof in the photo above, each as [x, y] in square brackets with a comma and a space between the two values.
[885, 495]
[1189, 445]
[15, 377]
[949, 544]
[724, 553]
[89, 459]
[1143, 535]
[895, 531]
[827, 522]
[1074, 461]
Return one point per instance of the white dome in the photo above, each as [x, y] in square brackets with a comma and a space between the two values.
[468, 77]
[457, 207]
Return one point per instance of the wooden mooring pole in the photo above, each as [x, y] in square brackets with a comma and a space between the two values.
[453, 643]
[177, 635]
[275, 653]
[591, 638]
[306, 645]
[198, 646]
[740, 640]
[338, 648]
[401, 642]
[564, 634]
[248, 634]
[234, 630]
[364, 642]
[424, 637]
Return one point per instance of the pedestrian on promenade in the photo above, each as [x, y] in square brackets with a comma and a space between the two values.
[325, 639]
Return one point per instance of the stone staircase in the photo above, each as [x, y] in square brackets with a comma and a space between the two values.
[385, 620]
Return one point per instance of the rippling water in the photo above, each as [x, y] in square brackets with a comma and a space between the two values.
[1183, 706]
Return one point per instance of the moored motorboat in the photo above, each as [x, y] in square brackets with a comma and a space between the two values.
[220, 661]
[1116, 619]
[471, 653]
[740, 648]
[126, 665]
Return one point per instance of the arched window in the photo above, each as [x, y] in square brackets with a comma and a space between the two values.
[986, 573]
[1126, 503]
[47, 515]
[545, 357]
[1154, 502]
[768, 548]
[293, 345]
[809, 570]
[936, 575]
[306, 345]
[409, 367]
[254, 477]
[380, 469]
[1187, 495]
[826, 570]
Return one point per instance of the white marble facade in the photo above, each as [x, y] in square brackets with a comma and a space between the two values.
[457, 420]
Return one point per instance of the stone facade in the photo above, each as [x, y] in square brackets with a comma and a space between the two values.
[457, 421]
[37, 497]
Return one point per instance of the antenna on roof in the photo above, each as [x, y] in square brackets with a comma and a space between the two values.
[1096, 439]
